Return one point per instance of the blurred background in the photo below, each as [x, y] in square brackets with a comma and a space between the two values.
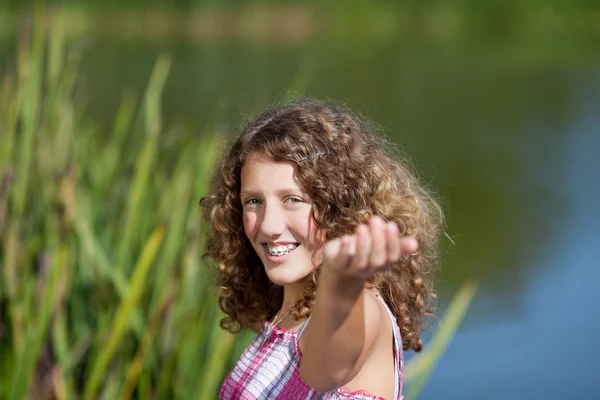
[111, 114]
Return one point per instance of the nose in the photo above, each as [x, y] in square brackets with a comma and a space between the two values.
[272, 224]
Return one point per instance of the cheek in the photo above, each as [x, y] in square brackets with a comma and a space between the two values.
[250, 225]
[317, 257]
[318, 242]
[316, 234]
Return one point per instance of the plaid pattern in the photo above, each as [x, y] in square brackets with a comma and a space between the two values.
[273, 370]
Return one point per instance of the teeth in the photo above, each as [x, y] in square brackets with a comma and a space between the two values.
[280, 250]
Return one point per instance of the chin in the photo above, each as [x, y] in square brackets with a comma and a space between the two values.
[280, 277]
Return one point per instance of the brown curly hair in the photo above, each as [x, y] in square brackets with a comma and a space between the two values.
[351, 174]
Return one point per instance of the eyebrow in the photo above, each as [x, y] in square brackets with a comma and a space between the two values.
[251, 192]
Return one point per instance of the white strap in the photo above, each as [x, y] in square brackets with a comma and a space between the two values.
[396, 347]
[303, 327]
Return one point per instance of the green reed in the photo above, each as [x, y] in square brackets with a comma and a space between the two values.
[103, 291]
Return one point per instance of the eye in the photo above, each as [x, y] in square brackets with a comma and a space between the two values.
[294, 200]
[251, 202]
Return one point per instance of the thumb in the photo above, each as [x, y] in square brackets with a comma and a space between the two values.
[332, 249]
[339, 252]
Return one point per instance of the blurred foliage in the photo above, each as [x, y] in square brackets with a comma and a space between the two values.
[101, 242]
[443, 19]
[481, 4]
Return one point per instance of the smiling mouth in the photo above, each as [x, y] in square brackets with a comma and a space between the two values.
[280, 250]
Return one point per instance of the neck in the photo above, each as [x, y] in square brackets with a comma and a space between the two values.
[291, 294]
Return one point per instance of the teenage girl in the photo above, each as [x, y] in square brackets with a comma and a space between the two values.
[324, 244]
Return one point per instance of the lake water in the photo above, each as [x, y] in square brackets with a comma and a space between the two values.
[507, 135]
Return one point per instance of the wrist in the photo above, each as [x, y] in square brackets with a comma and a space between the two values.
[342, 289]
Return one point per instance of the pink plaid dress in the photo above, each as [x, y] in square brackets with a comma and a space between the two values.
[273, 370]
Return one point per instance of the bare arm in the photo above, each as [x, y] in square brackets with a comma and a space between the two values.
[345, 323]
[343, 328]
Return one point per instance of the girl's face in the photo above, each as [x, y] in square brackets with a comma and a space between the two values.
[278, 220]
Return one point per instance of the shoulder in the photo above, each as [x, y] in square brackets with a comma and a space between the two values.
[375, 316]
[339, 339]
[371, 322]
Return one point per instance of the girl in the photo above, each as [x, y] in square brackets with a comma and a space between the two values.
[325, 246]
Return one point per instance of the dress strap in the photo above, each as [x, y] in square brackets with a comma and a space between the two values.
[397, 349]
[303, 327]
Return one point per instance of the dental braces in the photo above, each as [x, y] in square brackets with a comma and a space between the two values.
[280, 252]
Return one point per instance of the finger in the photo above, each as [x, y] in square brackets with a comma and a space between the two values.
[346, 253]
[378, 256]
[363, 248]
[332, 249]
[408, 245]
[339, 252]
[392, 242]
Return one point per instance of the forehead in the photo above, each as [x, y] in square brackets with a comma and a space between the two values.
[259, 170]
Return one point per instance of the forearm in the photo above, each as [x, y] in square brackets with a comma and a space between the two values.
[336, 297]
[345, 324]
[334, 340]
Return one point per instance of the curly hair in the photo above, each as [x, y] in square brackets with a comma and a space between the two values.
[351, 174]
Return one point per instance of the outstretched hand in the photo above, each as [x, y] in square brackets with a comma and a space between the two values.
[373, 247]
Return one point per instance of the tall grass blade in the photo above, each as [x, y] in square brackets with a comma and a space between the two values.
[143, 167]
[36, 331]
[221, 344]
[103, 267]
[10, 266]
[9, 114]
[31, 77]
[420, 368]
[122, 317]
[135, 369]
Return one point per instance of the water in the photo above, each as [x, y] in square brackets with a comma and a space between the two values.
[546, 345]
[508, 137]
